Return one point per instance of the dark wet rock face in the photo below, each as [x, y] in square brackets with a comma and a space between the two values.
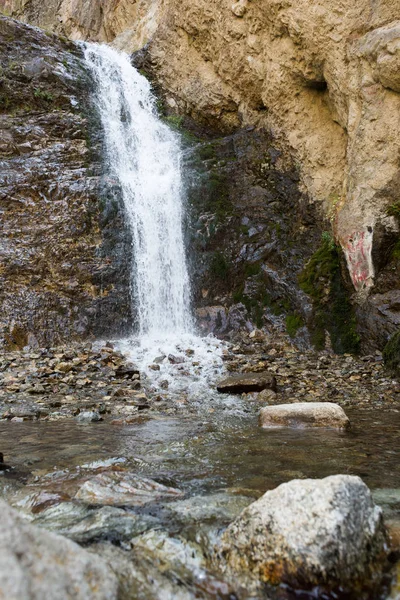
[63, 258]
[253, 231]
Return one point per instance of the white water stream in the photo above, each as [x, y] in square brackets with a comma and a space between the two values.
[144, 156]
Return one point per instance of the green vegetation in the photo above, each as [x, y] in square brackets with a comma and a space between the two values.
[391, 354]
[174, 121]
[252, 269]
[42, 95]
[207, 152]
[394, 210]
[321, 279]
[219, 267]
[293, 324]
[395, 253]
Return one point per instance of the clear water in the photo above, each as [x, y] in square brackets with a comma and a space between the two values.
[217, 449]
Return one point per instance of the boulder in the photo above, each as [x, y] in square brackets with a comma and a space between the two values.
[38, 565]
[306, 533]
[247, 382]
[304, 414]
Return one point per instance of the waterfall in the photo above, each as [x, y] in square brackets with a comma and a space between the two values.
[143, 156]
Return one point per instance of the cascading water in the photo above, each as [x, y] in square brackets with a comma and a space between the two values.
[144, 156]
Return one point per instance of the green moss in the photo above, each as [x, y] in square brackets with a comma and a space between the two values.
[391, 354]
[293, 324]
[252, 269]
[175, 121]
[43, 95]
[395, 253]
[207, 152]
[394, 210]
[320, 269]
[219, 266]
[333, 312]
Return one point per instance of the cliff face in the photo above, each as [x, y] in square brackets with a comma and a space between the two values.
[63, 270]
[322, 76]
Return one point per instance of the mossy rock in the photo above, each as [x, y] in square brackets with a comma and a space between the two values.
[391, 354]
[333, 312]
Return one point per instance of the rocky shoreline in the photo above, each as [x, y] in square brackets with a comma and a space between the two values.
[95, 382]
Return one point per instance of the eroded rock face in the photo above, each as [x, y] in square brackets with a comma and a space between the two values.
[322, 76]
[304, 414]
[309, 532]
[36, 564]
[63, 243]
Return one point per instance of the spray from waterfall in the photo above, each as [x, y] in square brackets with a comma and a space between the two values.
[144, 156]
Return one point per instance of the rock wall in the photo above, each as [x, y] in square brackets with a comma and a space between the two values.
[322, 77]
[63, 246]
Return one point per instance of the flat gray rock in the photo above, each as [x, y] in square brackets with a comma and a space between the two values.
[304, 414]
[247, 382]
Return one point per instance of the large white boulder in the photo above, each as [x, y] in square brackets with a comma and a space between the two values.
[39, 565]
[325, 532]
[304, 414]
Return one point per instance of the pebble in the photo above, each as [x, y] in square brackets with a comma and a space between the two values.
[67, 382]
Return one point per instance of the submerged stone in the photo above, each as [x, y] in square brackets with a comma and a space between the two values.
[83, 525]
[220, 506]
[122, 489]
[325, 532]
[304, 414]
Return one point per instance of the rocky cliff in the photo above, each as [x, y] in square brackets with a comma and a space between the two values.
[63, 257]
[322, 77]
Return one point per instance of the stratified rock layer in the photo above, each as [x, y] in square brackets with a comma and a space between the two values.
[63, 258]
[309, 532]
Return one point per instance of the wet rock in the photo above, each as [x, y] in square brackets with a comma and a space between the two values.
[128, 371]
[163, 567]
[220, 506]
[247, 382]
[89, 417]
[176, 360]
[56, 266]
[267, 397]
[83, 525]
[3, 466]
[122, 489]
[304, 414]
[326, 533]
[36, 564]
[142, 578]
[388, 499]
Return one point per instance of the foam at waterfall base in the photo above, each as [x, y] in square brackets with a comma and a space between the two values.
[190, 364]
